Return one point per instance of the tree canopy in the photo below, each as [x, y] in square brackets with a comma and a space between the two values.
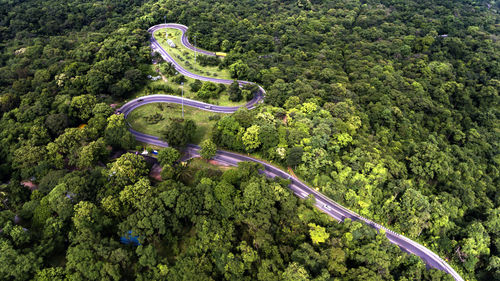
[388, 107]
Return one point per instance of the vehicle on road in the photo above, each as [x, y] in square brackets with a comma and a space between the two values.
[339, 213]
[140, 100]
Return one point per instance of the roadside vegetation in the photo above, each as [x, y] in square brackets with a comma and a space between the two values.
[170, 84]
[212, 66]
[152, 119]
[388, 107]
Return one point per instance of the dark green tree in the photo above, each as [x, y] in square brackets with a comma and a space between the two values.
[234, 91]
[168, 156]
[179, 132]
[294, 156]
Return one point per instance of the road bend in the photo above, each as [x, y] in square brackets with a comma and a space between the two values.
[299, 188]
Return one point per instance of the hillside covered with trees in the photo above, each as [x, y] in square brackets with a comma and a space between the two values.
[388, 107]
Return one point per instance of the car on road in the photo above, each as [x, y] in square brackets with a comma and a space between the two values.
[118, 112]
[140, 100]
[208, 106]
[327, 207]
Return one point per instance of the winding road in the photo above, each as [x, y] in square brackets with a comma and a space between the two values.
[299, 188]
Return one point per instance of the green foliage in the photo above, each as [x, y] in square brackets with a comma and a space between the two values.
[393, 103]
[208, 90]
[295, 271]
[127, 169]
[16, 265]
[102, 109]
[82, 106]
[26, 157]
[251, 138]
[154, 118]
[167, 68]
[8, 101]
[227, 133]
[89, 155]
[168, 156]
[132, 194]
[179, 132]
[117, 134]
[50, 273]
[208, 149]
[179, 79]
[56, 123]
[204, 215]
[239, 70]
[318, 233]
[208, 60]
[294, 156]
[234, 91]
[196, 86]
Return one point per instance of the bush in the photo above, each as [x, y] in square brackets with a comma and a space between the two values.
[214, 117]
[208, 60]
[208, 90]
[247, 94]
[179, 79]
[154, 118]
[179, 132]
[168, 156]
[294, 156]
[234, 92]
[195, 86]
[161, 87]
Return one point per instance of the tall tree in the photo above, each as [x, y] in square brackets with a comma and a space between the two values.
[168, 156]
[208, 149]
[234, 91]
[117, 134]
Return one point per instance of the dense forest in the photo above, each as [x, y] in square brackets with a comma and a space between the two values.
[390, 108]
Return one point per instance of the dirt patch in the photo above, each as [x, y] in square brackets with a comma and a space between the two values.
[30, 185]
[155, 172]
[221, 165]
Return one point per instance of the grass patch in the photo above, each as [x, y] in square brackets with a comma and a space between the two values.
[138, 119]
[185, 57]
[198, 168]
[169, 87]
[144, 145]
[200, 164]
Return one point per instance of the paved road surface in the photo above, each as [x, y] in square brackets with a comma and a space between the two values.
[166, 56]
[300, 189]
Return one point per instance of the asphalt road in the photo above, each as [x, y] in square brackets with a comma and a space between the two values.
[300, 189]
[166, 56]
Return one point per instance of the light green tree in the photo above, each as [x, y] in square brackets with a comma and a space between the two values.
[132, 194]
[238, 69]
[127, 169]
[318, 233]
[168, 156]
[82, 106]
[208, 149]
[251, 138]
[117, 134]
[90, 154]
[295, 272]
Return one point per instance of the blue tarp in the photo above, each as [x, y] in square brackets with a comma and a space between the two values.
[128, 239]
